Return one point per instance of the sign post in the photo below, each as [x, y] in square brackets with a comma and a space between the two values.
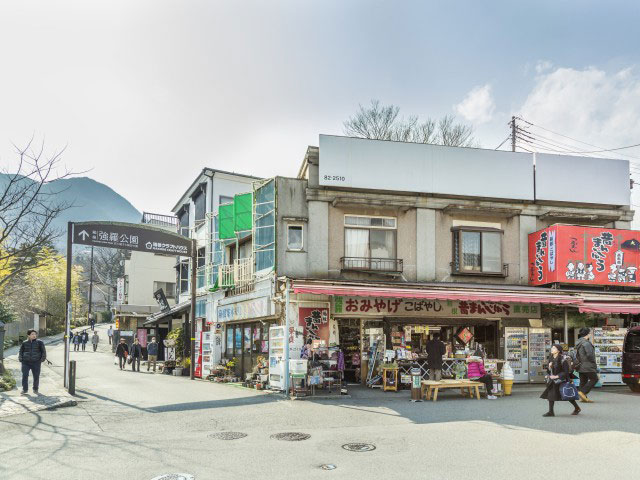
[127, 236]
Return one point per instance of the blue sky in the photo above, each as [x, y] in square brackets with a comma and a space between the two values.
[158, 89]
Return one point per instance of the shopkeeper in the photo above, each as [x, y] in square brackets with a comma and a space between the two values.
[477, 373]
[435, 351]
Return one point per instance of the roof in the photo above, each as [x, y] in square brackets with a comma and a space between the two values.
[209, 172]
[180, 307]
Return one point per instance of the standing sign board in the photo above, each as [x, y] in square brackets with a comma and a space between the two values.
[120, 291]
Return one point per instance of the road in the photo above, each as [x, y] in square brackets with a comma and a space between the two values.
[139, 426]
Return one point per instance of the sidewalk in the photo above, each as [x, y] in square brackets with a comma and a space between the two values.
[52, 394]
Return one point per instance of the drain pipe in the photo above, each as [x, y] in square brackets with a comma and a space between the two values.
[287, 322]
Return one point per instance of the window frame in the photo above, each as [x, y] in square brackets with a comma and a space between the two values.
[289, 248]
[456, 237]
[372, 227]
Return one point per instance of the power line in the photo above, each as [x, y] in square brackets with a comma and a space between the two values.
[503, 142]
[600, 149]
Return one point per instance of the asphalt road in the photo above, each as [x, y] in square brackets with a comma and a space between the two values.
[139, 426]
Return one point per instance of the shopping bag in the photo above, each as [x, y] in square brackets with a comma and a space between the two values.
[568, 391]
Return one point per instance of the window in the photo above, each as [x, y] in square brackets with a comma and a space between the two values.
[264, 221]
[183, 276]
[229, 341]
[183, 220]
[294, 237]
[370, 243]
[169, 288]
[199, 198]
[632, 345]
[200, 272]
[477, 251]
[223, 200]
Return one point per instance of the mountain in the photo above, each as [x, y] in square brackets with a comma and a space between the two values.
[91, 200]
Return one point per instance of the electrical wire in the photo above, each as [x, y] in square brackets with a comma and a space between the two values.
[600, 149]
[503, 142]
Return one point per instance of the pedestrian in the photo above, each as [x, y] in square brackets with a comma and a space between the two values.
[76, 342]
[435, 351]
[70, 338]
[94, 341]
[122, 352]
[152, 353]
[559, 373]
[586, 364]
[110, 334]
[85, 339]
[136, 355]
[92, 323]
[32, 354]
[477, 373]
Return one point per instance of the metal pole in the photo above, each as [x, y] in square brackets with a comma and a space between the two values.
[566, 326]
[90, 287]
[513, 134]
[67, 325]
[287, 322]
[194, 266]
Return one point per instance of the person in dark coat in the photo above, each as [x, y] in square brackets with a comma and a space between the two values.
[558, 370]
[435, 351]
[76, 342]
[32, 353]
[85, 339]
[587, 367]
[136, 354]
[122, 351]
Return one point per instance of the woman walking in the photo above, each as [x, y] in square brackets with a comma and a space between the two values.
[558, 373]
[122, 351]
[76, 342]
[85, 339]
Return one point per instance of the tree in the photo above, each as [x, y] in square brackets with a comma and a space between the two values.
[28, 207]
[45, 287]
[381, 122]
[108, 266]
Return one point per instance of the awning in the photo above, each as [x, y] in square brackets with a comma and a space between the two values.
[434, 294]
[610, 307]
[179, 308]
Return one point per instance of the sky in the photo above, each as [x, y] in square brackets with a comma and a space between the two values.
[144, 94]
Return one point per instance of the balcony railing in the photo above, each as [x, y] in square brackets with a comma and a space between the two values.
[239, 274]
[160, 220]
[367, 264]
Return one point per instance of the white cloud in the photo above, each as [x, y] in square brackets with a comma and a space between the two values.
[478, 106]
[590, 105]
[543, 66]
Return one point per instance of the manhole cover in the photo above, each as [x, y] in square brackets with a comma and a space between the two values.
[359, 447]
[328, 466]
[175, 476]
[228, 435]
[291, 436]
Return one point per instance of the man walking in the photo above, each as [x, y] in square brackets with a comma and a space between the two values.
[92, 323]
[94, 340]
[122, 352]
[136, 355]
[435, 350]
[32, 354]
[110, 334]
[152, 353]
[77, 341]
[85, 339]
[587, 367]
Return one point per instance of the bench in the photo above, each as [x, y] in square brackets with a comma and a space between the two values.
[430, 388]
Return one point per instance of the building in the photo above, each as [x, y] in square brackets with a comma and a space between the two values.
[386, 242]
[193, 213]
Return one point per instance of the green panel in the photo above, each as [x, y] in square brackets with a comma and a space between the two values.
[226, 222]
[243, 212]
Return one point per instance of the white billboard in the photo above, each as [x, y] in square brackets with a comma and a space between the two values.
[415, 167]
[566, 178]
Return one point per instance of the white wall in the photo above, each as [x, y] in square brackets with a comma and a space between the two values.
[142, 269]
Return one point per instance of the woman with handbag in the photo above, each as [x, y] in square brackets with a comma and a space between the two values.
[559, 386]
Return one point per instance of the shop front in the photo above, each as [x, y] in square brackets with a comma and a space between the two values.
[245, 333]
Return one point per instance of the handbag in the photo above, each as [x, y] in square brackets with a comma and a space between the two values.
[568, 391]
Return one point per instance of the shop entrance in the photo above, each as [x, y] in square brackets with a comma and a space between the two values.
[246, 342]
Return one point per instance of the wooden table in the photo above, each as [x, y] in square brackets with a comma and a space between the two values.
[432, 386]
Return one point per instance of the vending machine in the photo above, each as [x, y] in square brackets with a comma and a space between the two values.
[608, 342]
[539, 351]
[197, 366]
[206, 352]
[516, 352]
[276, 357]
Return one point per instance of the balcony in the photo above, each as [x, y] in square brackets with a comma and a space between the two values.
[369, 264]
[158, 220]
[239, 276]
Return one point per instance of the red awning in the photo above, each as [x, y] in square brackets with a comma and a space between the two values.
[610, 307]
[432, 294]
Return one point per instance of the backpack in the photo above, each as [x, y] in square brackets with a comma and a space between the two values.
[572, 360]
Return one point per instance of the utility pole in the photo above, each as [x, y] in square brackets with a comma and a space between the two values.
[90, 287]
[513, 133]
